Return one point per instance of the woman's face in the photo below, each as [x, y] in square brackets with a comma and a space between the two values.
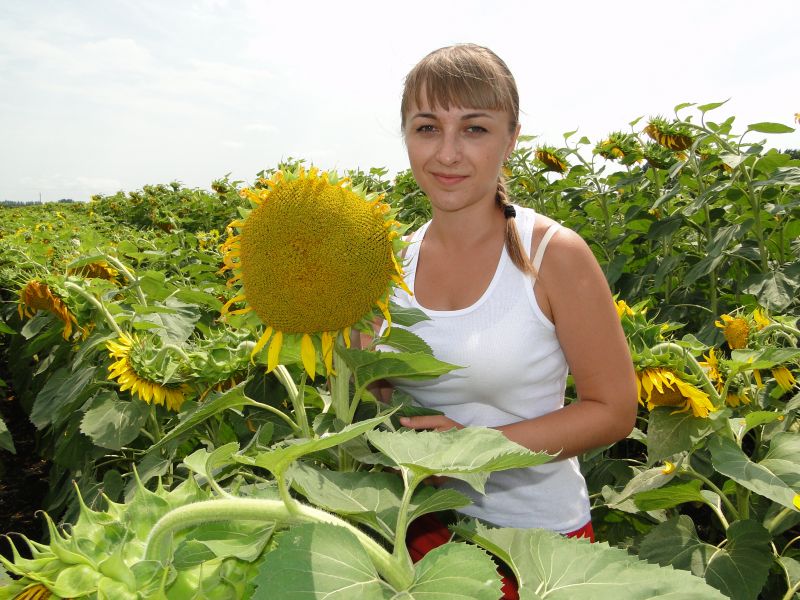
[456, 154]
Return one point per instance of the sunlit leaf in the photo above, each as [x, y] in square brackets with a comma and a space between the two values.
[766, 127]
[548, 565]
[114, 423]
[469, 454]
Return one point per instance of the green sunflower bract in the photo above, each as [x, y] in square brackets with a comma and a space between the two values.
[313, 258]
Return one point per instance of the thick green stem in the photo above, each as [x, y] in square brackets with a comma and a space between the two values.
[340, 388]
[713, 487]
[279, 413]
[99, 305]
[775, 522]
[132, 279]
[400, 549]
[299, 405]
[159, 542]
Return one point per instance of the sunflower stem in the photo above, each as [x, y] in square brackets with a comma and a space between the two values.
[725, 500]
[298, 403]
[279, 413]
[97, 304]
[778, 328]
[134, 281]
[159, 542]
[400, 549]
[340, 388]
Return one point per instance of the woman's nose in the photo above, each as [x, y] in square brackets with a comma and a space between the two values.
[449, 151]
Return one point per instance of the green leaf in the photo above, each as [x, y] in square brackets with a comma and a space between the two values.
[175, 319]
[469, 454]
[113, 423]
[730, 461]
[237, 539]
[683, 105]
[369, 366]
[406, 316]
[791, 570]
[739, 569]
[774, 289]
[669, 433]
[232, 398]
[278, 458]
[763, 359]
[61, 395]
[704, 108]
[643, 481]
[204, 462]
[756, 419]
[319, 561]
[405, 341]
[455, 571]
[781, 459]
[5, 328]
[670, 496]
[370, 498]
[549, 565]
[6, 441]
[770, 128]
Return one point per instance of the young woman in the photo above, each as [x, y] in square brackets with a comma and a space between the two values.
[514, 297]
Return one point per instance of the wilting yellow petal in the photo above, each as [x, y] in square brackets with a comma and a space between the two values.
[274, 352]
[327, 351]
[262, 341]
[308, 355]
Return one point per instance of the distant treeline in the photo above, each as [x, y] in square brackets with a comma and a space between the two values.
[12, 203]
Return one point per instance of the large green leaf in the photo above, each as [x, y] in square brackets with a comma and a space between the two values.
[113, 423]
[670, 496]
[669, 433]
[730, 461]
[63, 392]
[369, 366]
[469, 454]
[279, 457]
[371, 498]
[176, 319]
[643, 481]
[232, 398]
[782, 458]
[739, 569]
[317, 561]
[766, 127]
[405, 341]
[321, 561]
[548, 565]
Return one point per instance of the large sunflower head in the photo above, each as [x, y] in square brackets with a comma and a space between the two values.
[312, 259]
[144, 372]
[552, 159]
[36, 296]
[661, 386]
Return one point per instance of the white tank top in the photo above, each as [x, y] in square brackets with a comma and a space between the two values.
[514, 369]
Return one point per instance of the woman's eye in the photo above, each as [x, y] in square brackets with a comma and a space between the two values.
[476, 129]
[426, 129]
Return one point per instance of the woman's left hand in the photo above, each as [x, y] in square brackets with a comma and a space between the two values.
[430, 422]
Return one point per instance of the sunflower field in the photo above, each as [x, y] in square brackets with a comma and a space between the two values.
[181, 361]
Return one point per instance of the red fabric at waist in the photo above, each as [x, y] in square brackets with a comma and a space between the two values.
[429, 532]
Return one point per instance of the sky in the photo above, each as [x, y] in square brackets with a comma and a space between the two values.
[101, 96]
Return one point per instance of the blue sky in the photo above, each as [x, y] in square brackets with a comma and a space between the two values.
[100, 96]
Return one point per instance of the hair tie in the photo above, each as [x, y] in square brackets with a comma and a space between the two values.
[509, 211]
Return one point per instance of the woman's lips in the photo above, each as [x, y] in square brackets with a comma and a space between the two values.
[446, 179]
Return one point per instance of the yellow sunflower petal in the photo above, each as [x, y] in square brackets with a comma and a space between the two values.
[262, 341]
[327, 351]
[274, 352]
[308, 355]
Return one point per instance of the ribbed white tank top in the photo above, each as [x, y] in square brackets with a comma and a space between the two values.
[514, 369]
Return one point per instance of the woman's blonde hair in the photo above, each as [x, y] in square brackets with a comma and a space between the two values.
[467, 75]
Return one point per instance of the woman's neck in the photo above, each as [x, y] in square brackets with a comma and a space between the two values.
[466, 227]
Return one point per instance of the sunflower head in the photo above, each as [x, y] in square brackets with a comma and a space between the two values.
[620, 146]
[313, 258]
[95, 270]
[663, 386]
[36, 296]
[735, 329]
[144, 371]
[658, 156]
[673, 136]
[552, 159]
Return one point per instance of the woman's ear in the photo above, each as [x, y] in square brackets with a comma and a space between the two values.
[513, 142]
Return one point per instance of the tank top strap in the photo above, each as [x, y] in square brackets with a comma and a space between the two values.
[548, 235]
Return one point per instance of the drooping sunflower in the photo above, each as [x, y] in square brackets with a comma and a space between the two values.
[660, 386]
[621, 146]
[735, 329]
[313, 258]
[551, 159]
[784, 378]
[670, 135]
[37, 295]
[95, 270]
[134, 373]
